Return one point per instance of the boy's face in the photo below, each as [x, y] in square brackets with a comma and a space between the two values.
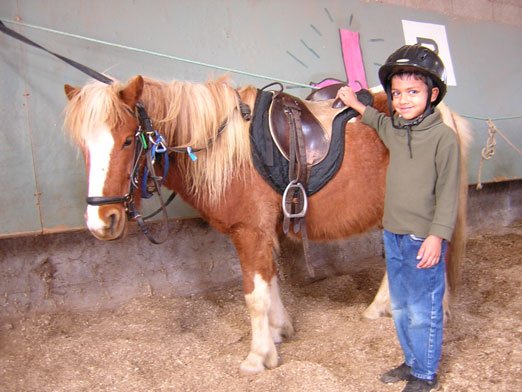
[410, 96]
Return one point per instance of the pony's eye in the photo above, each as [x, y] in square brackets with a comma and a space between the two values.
[127, 142]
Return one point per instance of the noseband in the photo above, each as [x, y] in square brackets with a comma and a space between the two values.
[102, 200]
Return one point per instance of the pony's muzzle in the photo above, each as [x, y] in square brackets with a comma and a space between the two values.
[106, 222]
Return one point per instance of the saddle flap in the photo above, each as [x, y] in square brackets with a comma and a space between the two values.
[325, 93]
[316, 137]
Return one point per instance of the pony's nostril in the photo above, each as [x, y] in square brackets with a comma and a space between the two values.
[112, 221]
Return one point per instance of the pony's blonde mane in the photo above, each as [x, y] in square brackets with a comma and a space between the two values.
[190, 115]
[187, 115]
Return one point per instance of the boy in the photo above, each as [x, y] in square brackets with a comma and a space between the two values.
[420, 205]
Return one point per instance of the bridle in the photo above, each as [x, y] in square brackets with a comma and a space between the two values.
[151, 145]
[143, 132]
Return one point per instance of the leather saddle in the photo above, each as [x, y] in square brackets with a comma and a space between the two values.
[315, 116]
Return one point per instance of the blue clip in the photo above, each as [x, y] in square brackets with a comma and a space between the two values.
[153, 154]
[191, 154]
[160, 145]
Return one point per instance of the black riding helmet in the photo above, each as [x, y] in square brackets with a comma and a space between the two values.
[415, 58]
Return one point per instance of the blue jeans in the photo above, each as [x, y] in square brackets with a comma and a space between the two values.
[416, 301]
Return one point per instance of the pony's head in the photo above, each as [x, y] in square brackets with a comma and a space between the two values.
[101, 121]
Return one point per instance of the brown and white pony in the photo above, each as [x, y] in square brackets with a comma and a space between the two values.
[226, 189]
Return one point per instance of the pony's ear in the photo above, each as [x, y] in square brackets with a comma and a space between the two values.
[132, 92]
[70, 91]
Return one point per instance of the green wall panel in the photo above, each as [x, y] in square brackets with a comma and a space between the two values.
[42, 175]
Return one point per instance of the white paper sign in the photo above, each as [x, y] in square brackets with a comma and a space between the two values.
[433, 36]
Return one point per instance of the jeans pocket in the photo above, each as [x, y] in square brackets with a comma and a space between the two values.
[415, 238]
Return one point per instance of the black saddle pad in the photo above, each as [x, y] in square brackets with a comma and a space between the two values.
[273, 166]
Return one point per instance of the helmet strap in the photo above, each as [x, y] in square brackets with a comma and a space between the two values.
[387, 89]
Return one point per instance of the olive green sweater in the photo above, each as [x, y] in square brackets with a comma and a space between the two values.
[422, 190]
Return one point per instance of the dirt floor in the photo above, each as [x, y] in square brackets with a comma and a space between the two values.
[197, 343]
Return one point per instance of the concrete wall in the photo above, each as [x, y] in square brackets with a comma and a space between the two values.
[499, 11]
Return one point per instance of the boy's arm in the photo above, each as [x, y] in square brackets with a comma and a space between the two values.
[446, 190]
[447, 187]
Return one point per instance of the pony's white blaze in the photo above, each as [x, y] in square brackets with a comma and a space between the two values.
[100, 145]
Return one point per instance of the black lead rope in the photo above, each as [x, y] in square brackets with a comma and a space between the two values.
[127, 200]
[86, 70]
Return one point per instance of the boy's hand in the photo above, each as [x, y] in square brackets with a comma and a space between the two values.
[429, 252]
[347, 95]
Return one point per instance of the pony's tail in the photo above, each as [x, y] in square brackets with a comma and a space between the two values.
[457, 247]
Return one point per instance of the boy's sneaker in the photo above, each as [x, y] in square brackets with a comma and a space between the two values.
[400, 373]
[417, 385]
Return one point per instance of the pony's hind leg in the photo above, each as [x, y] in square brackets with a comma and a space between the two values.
[280, 322]
[381, 305]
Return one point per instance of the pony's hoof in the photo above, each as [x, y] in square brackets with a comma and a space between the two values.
[447, 316]
[371, 313]
[288, 331]
[272, 360]
[280, 333]
[253, 364]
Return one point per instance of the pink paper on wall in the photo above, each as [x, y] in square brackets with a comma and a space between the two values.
[352, 57]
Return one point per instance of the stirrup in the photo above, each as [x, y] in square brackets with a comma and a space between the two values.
[294, 185]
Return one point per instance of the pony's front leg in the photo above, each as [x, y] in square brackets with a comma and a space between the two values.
[269, 319]
[262, 350]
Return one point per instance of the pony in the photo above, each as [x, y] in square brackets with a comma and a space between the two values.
[224, 186]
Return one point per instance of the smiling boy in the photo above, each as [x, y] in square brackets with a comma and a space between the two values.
[420, 207]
